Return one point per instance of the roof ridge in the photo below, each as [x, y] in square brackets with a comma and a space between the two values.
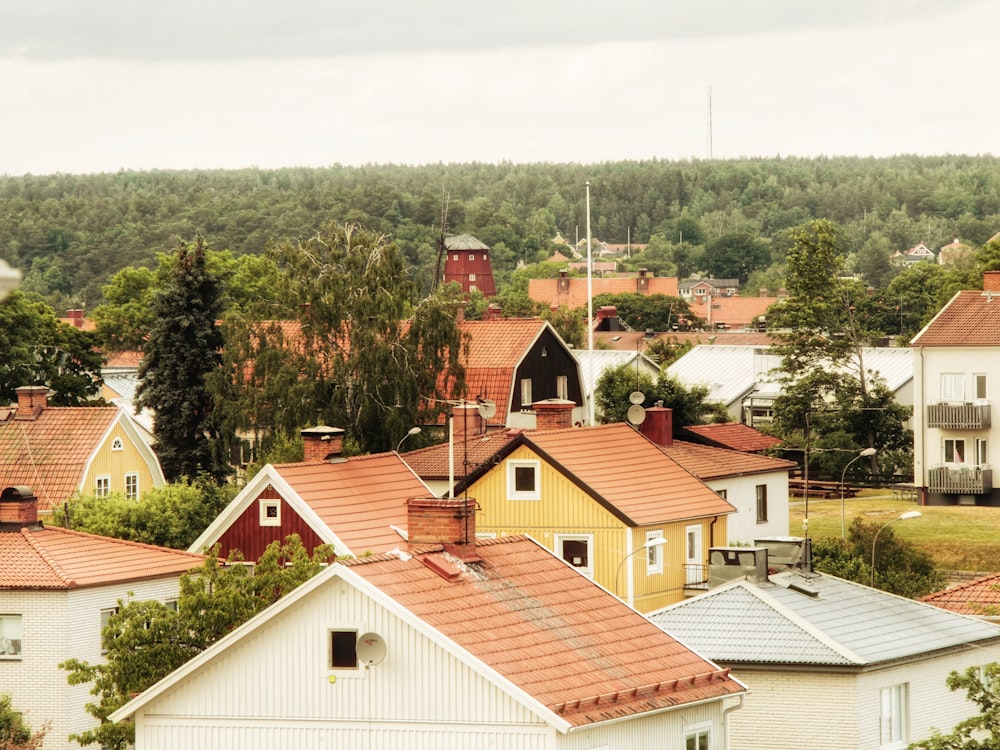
[43, 554]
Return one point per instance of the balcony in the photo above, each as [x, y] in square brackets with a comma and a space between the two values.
[954, 416]
[967, 480]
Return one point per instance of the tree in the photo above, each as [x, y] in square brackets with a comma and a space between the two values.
[642, 312]
[736, 256]
[978, 732]
[146, 640]
[14, 733]
[182, 351]
[126, 318]
[689, 406]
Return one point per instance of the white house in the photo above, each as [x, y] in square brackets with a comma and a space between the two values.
[956, 371]
[830, 664]
[57, 589]
[468, 644]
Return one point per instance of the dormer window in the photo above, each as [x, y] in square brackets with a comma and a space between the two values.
[117, 444]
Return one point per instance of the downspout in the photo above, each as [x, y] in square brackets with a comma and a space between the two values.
[725, 719]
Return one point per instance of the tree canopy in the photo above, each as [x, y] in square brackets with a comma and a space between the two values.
[689, 406]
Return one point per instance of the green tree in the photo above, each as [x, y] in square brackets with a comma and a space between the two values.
[126, 318]
[736, 256]
[689, 406]
[146, 640]
[14, 733]
[181, 353]
[978, 732]
[643, 312]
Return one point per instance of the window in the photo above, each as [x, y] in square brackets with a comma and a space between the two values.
[172, 605]
[132, 486]
[982, 457]
[722, 493]
[472, 288]
[10, 636]
[472, 277]
[576, 550]
[654, 553]
[472, 256]
[954, 451]
[761, 503]
[697, 738]
[117, 445]
[980, 387]
[455, 256]
[952, 386]
[892, 717]
[105, 619]
[103, 487]
[562, 387]
[270, 513]
[526, 392]
[522, 480]
[343, 649]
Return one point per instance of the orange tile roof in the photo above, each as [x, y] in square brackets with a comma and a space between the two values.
[972, 318]
[55, 558]
[735, 436]
[628, 473]
[50, 454]
[970, 598]
[735, 312]
[552, 632]
[128, 359]
[547, 290]
[432, 462]
[707, 462]
[359, 499]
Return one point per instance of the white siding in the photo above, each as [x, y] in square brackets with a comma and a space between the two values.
[741, 492]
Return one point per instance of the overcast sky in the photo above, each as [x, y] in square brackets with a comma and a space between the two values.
[104, 85]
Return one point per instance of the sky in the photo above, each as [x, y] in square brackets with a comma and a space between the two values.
[110, 85]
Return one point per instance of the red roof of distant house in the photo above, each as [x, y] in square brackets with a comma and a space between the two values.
[56, 558]
[735, 312]
[707, 462]
[733, 435]
[550, 631]
[575, 294]
[972, 318]
[975, 597]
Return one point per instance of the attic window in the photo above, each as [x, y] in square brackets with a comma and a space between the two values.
[522, 480]
[117, 444]
[270, 513]
[343, 649]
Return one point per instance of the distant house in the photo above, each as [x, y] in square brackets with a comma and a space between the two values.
[356, 504]
[731, 435]
[699, 289]
[726, 312]
[570, 292]
[916, 254]
[452, 643]
[979, 597]
[57, 589]
[467, 263]
[62, 450]
[956, 376]
[831, 664]
[954, 252]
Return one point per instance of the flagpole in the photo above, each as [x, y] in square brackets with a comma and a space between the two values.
[590, 316]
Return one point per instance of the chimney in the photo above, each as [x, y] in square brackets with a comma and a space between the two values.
[642, 283]
[991, 281]
[562, 284]
[322, 443]
[494, 311]
[553, 413]
[460, 312]
[466, 421]
[76, 318]
[763, 292]
[31, 401]
[441, 520]
[659, 425]
[18, 509]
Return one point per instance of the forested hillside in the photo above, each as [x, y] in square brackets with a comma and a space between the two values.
[70, 233]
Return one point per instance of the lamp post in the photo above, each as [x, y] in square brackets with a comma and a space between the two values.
[904, 517]
[843, 475]
[658, 541]
[409, 433]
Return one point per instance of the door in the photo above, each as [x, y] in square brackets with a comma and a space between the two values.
[695, 559]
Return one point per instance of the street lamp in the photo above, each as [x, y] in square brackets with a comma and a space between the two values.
[843, 474]
[909, 514]
[654, 542]
[412, 431]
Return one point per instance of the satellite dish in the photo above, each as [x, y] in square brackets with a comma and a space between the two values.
[371, 649]
[487, 409]
[636, 414]
[636, 397]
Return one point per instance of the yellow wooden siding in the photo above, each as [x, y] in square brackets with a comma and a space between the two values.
[116, 464]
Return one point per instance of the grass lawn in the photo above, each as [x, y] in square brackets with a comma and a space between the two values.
[957, 538]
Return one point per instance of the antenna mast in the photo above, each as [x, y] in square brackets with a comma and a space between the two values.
[709, 144]
[440, 243]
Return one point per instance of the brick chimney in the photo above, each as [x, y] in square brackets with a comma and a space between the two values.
[642, 282]
[562, 284]
[659, 425]
[31, 401]
[322, 443]
[18, 508]
[467, 421]
[494, 311]
[991, 281]
[441, 520]
[553, 413]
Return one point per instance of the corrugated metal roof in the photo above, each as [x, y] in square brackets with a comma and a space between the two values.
[844, 624]
[606, 359]
[464, 242]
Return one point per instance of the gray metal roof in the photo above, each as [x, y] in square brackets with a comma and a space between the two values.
[464, 242]
[604, 359]
[844, 624]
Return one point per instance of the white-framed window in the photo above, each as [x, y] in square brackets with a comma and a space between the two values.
[525, 391]
[654, 553]
[698, 737]
[132, 486]
[578, 551]
[562, 387]
[523, 479]
[761, 503]
[952, 386]
[472, 288]
[893, 718]
[455, 256]
[472, 277]
[10, 637]
[117, 444]
[982, 456]
[105, 619]
[103, 486]
[343, 649]
[980, 379]
[472, 256]
[954, 450]
[270, 512]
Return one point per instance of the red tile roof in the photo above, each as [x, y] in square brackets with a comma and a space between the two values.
[55, 558]
[735, 312]
[735, 436]
[972, 318]
[575, 296]
[707, 462]
[970, 598]
[50, 453]
[550, 631]
[433, 462]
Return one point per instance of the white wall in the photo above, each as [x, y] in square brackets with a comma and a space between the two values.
[741, 492]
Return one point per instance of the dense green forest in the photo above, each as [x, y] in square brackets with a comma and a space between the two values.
[69, 233]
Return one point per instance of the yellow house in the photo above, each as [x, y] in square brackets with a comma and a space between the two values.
[607, 500]
[60, 450]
